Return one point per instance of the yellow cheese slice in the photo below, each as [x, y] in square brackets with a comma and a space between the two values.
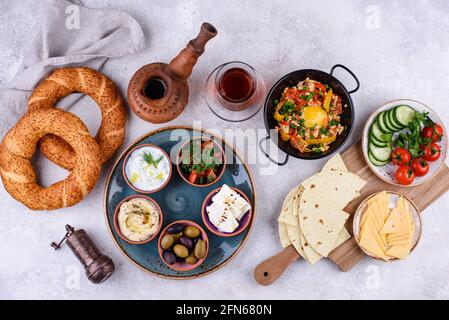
[369, 242]
[394, 223]
[402, 236]
[406, 242]
[400, 252]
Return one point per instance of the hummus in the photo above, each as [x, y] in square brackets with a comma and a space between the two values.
[147, 168]
[138, 219]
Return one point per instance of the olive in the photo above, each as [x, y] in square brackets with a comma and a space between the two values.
[169, 257]
[177, 236]
[186, 242]
[176, 228]
[191, 232]
[191, 259]
[200, 249]
[181, 251]
[167, 241]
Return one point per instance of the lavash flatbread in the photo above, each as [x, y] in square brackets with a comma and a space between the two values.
[335, 163]
[283, 235]
[320, 222]
[336, 187]
[295, 238]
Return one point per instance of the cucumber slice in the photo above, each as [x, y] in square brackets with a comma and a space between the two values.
[381, 154]
[386, 121]
[377, 142]
[381, 123]
[404, 114]
[375, 131]
[393, 120]
[390, 124]
[376, 162]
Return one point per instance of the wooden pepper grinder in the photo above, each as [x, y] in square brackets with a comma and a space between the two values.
[98, 266]
[158, 92]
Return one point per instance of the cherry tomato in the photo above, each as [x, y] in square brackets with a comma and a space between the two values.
[420, 167]
[404, 175]
[431, 152]
[193, 177]
[435, 133]
[211, 176]
[400, 156]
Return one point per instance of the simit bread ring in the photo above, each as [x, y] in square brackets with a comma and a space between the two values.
[18, 148]
[65, 81]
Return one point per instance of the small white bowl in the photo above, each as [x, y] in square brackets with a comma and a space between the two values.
[387, 172]
[393, 196]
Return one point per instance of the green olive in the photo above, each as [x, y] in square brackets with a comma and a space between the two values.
[191, 259]
[200, 249]
[191, 232]
[167, 241]
[177, 236]
[181, 251]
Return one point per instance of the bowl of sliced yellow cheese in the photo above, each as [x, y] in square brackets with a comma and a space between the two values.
[387, 226]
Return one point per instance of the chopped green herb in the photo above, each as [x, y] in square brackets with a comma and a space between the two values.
[148, 157]
[288, 107]
[324, 131]
[334, 123]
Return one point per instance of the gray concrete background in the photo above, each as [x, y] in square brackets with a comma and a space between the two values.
[398, 49]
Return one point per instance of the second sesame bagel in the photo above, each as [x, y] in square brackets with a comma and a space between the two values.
[102, 90]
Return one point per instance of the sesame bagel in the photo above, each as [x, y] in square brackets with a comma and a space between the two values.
[19, 146]
[102, 90]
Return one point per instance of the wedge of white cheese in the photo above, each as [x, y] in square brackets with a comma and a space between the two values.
[227, 208]
[238, 205]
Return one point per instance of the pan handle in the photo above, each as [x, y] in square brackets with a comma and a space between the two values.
[268, 156]
[350, 72]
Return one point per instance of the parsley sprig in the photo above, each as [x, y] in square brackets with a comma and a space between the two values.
[411, 138]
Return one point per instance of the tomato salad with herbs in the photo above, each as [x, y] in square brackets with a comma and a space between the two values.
[407, 138]
[201, 161]
[308, 115]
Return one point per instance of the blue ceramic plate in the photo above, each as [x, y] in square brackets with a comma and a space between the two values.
[179, 201]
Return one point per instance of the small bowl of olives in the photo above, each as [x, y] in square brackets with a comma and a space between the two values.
[183, 245]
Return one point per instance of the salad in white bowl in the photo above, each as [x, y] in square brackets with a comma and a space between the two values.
[404, 143]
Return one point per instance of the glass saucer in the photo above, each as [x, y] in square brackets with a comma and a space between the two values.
[215, 103]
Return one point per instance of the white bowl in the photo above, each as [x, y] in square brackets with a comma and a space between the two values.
[386, 173]
[393, 196]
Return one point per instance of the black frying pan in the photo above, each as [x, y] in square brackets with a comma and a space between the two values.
[292, 79]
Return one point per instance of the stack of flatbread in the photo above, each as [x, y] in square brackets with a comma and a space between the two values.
[312, 217]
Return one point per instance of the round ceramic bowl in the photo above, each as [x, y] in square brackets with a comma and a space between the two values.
[182, 175]
[394, 196]
[387, 172]
[116, 224]
[125, 176]
[182, 266]
[243, 223]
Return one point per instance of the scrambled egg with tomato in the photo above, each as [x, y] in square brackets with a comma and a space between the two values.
[308, 116]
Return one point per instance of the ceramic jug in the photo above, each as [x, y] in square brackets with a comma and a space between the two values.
[159, 92]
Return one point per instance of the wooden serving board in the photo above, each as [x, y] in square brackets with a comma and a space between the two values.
[348, 254]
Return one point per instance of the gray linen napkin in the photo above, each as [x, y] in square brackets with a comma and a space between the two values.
[70, 35]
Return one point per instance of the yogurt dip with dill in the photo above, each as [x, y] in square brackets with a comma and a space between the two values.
[147, 168]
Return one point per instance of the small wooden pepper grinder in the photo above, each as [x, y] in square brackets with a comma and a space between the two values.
[98, 266]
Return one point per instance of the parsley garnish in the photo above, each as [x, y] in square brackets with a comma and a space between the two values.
[334, 123]
[411, 138]
[288, 107]
[324, 131]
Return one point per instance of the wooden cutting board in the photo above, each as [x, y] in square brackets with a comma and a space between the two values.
[349, 254]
